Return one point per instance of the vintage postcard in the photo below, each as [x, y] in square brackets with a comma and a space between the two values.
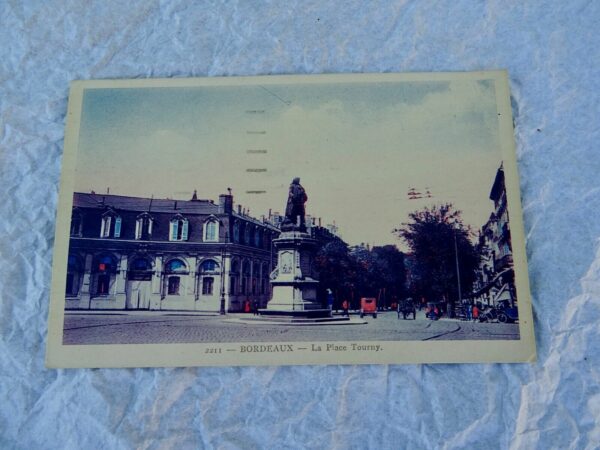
[327, 219]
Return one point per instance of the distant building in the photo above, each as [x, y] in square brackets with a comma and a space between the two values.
[496, 274]
[333, 229]
[276, 218]
[313, 227]
[162, 254]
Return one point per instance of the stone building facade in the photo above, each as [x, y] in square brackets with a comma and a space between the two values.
[132, 253]
[496, 275]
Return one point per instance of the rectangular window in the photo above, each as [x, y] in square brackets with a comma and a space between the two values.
[232, 284]
[207, 286]
[173, 232]
[184, 231]
[76, 226]
[69, 289]
[138, 229]
[105, 230]
[118, 227]
[179, 230]
[173, 286]
[103, 284]
[211, 231]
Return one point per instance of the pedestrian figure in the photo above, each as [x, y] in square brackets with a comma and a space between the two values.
[345, 307]
[247, 306]
[467, 308]
[475, 313]
[255, 307]
[330, 299]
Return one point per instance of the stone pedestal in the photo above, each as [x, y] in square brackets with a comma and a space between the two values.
[294, 281]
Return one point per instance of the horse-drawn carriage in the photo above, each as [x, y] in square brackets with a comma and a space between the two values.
[406, 308]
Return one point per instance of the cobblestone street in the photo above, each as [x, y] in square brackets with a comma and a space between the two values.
[173, 327]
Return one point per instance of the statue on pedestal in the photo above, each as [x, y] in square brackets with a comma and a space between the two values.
[295, 281]
[294, 210]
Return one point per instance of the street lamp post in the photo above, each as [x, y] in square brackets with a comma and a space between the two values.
[457, 267]
[222, 310]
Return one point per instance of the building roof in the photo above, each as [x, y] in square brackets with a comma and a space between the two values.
[141, 204]
[159, 205]
[253, 220]
[498, 185]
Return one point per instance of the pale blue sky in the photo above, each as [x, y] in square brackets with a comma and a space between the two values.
[357, 147]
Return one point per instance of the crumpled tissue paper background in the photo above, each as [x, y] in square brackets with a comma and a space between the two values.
[551, 49]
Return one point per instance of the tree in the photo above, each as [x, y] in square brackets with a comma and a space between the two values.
[360, 271]
[437, 237]
[380, 273]
[337, 270]
[390, 265]
[367, 280]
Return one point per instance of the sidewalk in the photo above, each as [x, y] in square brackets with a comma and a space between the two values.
[124, 312]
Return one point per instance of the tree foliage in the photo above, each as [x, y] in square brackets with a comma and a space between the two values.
[361, 272]
[436, 236]
[336, 269]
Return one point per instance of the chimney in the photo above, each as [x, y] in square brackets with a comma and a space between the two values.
[239, 209]
[319, 221]
[195, 196]
[226, 204]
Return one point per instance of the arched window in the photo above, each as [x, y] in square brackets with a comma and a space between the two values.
[106, 263]
[233, 277]
[143, 226]
[178, 230]
[209, 265]
[104, 268]
[140, 269]
[76, 223]
[140, 264]
[111, 225]
[173, 270]
[176, 266]
[211, 230]
[236, 232]
[207, 269]
[74, 272]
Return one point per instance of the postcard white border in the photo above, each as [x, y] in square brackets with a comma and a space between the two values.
[393, 352]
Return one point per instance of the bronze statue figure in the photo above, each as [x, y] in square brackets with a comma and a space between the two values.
[294, 211]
